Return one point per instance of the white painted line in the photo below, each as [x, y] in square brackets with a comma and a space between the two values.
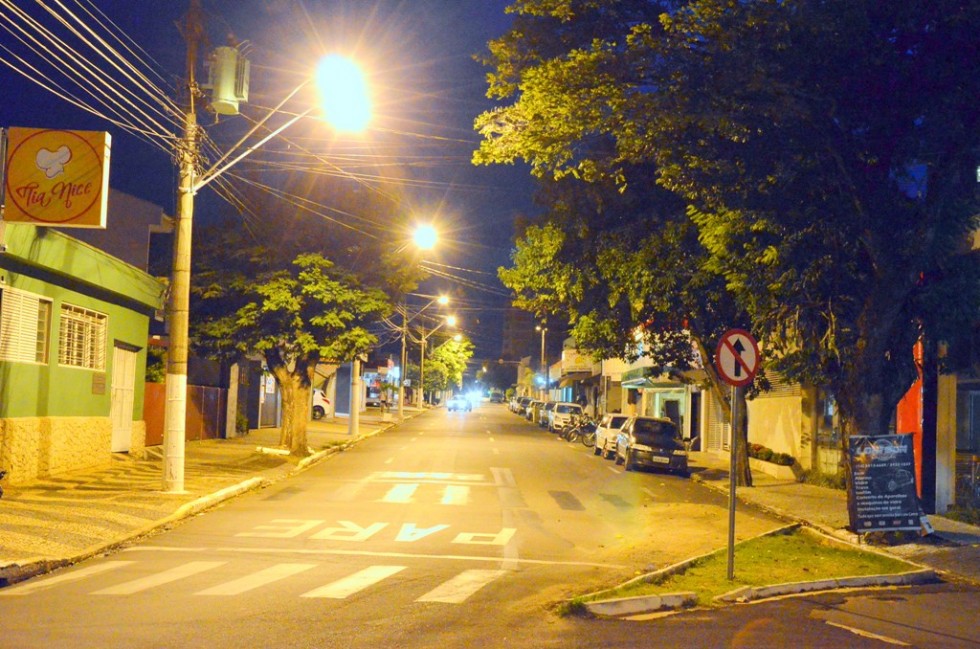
[613, 469]
[187, 570]
[385, 555]
[400, 493]
[649, 493]
[405, 476]
[868, 634]
[357, 582]
[503, 477]
[389, 460]
[258, 579]
[455, 495]
[75, 575]
[460, 587]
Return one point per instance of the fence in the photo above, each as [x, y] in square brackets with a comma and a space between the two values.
[206, 411]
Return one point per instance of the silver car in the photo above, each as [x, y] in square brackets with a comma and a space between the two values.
[564, 415]
[606, 433]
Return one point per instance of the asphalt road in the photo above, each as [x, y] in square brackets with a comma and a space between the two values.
[453, 530]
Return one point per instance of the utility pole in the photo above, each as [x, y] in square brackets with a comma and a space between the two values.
[402, 364]
[178, 306]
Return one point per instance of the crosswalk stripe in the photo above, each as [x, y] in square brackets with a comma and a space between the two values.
[74, 575]
[400, 493]
[455, 495]
[460, 587]
[187, 570]
[353, 583]
[258, 579]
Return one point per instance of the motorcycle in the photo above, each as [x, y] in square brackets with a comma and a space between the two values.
[583, 431]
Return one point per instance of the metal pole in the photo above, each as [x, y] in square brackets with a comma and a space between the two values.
[731, 487]
[402, 362]
[354, 422]
[422, 373]
[544, 366]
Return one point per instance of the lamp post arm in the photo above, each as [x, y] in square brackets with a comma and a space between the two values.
[214, 173]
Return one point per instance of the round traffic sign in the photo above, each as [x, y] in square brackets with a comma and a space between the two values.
[737, 357]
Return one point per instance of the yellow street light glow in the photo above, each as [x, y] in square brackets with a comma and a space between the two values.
[425, 237]
[451, 320]
[458, 337]
[343, 93]
[443, 300]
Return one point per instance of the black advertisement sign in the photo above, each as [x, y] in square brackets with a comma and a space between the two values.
[883, 494]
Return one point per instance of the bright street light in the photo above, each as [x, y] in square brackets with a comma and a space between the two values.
[343, 94]
[425, 237]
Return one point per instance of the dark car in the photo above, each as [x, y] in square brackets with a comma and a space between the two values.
[652, 442]
[460, 404]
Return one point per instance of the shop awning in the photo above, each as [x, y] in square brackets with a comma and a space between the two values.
[573, 378]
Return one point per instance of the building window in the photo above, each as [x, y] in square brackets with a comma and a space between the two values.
[25, 321]
[82, 338]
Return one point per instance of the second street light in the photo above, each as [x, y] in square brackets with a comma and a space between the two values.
[178, 306]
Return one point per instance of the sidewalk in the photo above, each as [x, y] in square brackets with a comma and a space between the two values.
[954, 548]
[58, 522]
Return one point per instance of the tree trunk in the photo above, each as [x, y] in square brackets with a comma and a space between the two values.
[295, 386]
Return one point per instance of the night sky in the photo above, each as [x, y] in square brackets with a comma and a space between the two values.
[418, 55]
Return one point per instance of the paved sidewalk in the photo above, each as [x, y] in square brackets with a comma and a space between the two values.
[954, 548]
[60, 521]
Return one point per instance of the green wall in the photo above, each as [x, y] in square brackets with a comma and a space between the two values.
[53, 265]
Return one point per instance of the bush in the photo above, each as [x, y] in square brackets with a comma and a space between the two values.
[760, 452]
[830, 480]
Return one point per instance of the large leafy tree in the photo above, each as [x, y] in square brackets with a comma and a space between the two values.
[295, 313]
[453, 355]
[826, 151]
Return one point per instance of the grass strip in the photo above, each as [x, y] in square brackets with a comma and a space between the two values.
[796, 556]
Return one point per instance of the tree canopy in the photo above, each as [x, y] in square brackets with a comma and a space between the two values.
[247, 300]
[825, 153]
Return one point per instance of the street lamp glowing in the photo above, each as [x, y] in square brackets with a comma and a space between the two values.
[443, 300]
[451, 320]
[425, 237]
[343, 94]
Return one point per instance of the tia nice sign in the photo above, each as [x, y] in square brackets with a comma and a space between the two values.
[57, 178]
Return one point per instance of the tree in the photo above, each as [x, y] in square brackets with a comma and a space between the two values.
[826, 151]
[294, 316]
[453, 355]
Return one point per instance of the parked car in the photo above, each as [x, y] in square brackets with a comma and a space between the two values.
[459, 403]
[321, 404]
[522, 405]
[606, 433]
[651, 441]
[533, 410]
[496, 397]
[545, 420]
[565, 415]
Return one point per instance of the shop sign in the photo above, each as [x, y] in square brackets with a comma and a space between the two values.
[57, 178]
[883, 494]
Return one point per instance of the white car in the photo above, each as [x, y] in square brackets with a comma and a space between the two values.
[564, 415]
[321, 404]
[606, 433]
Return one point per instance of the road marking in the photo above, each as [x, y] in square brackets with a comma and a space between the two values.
[386, 555]
[187, 570]
[354, 583]
[503, 477]
[648, 492]
[75, 575]
[400, 493]
[455, 495]
[429, 477]
[462, 586]
[613, 469]
[258, 579]
[389, 460]
[868, 634]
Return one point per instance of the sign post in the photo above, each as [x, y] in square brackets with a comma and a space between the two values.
[737, 361]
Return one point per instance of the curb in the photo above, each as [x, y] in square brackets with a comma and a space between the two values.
[642, 604]
[754, 593]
